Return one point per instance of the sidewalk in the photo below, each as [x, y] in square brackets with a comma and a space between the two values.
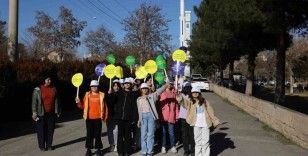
[239, 135]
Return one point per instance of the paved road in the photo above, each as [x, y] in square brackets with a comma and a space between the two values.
[240, 135]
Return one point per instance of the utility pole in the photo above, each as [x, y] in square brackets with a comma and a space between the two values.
[13, 31]
[185, 28]
[182, 22]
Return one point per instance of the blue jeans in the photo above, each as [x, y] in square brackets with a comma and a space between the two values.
[168, 128]
[147, 133]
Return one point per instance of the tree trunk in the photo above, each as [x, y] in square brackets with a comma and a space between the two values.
[251, 71]
[221, 70]
[291, 80]
[280, 70]
[140, 58]
[231, 71]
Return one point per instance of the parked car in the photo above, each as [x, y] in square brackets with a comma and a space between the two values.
[201, 83]
[196, 76]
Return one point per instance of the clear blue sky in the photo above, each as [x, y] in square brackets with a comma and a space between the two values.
[93, 14]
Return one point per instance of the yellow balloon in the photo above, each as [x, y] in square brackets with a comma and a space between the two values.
[119, 72]
[110, 71]
[150, 66]
[77, 79]
[141, 73]
[179, 55]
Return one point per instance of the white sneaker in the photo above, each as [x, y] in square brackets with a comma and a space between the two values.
[173, 150]
[163, 150]
[115, 148]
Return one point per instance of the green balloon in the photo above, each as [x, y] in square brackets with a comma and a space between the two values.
[159, 57]
[130, 60]
[159, 77]
[161, 62]
[111, 59]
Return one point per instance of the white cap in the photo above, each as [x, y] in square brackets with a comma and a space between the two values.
[121, 81]
[131, 79]
[116, 81]
[128, 80]
[195, 90]
[144, 85]
[94, 83]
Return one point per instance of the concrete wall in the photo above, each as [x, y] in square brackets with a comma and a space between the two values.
[291, 124]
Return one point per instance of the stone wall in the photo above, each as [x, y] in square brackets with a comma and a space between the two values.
[291, 124]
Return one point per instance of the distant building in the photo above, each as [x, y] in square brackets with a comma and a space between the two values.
[54, 56]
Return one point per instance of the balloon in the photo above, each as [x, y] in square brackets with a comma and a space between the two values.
[141, 73]
[77, 79]
[110, 71]
[160, 77]
[111, 59]
[179, 55]
[119, 72]
[160, 57]
[150, 66]
[161, 62]
[99, 69]
[130, 60]
[178, 68]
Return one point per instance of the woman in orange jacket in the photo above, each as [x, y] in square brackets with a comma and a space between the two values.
[94, 112]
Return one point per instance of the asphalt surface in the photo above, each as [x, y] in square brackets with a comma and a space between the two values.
[239, 135]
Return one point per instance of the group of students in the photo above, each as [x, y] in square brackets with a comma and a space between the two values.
[133, 112]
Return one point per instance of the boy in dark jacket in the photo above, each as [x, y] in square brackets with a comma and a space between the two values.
[126, 115]
[112, 127]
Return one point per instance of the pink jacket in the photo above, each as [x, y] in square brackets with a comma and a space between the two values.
[169, 107]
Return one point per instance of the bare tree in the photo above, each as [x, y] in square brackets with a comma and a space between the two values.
[59, 34]
[147, 29]
[100, 41]
[298, 49]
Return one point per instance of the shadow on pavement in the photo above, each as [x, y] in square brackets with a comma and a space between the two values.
[20, 128]
[70, 142]
[219, 143]
[75, 141]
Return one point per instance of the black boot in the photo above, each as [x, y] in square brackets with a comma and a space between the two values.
[111, 148]
[88, 153]
[99, 152]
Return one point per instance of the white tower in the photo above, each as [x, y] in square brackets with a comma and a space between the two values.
[185, 26]
[182, 22]
[185, 29]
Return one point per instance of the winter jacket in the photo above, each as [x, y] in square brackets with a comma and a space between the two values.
[85, 106]
[111, 99]
[37, 104]
[152, 99]
[169, 108]
[210, 118]
[126, 106]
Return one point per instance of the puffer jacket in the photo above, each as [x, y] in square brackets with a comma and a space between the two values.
[169, 107]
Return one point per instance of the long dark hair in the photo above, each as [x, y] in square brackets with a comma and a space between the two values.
[119, 85]
[186, 90]
[200, 99]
